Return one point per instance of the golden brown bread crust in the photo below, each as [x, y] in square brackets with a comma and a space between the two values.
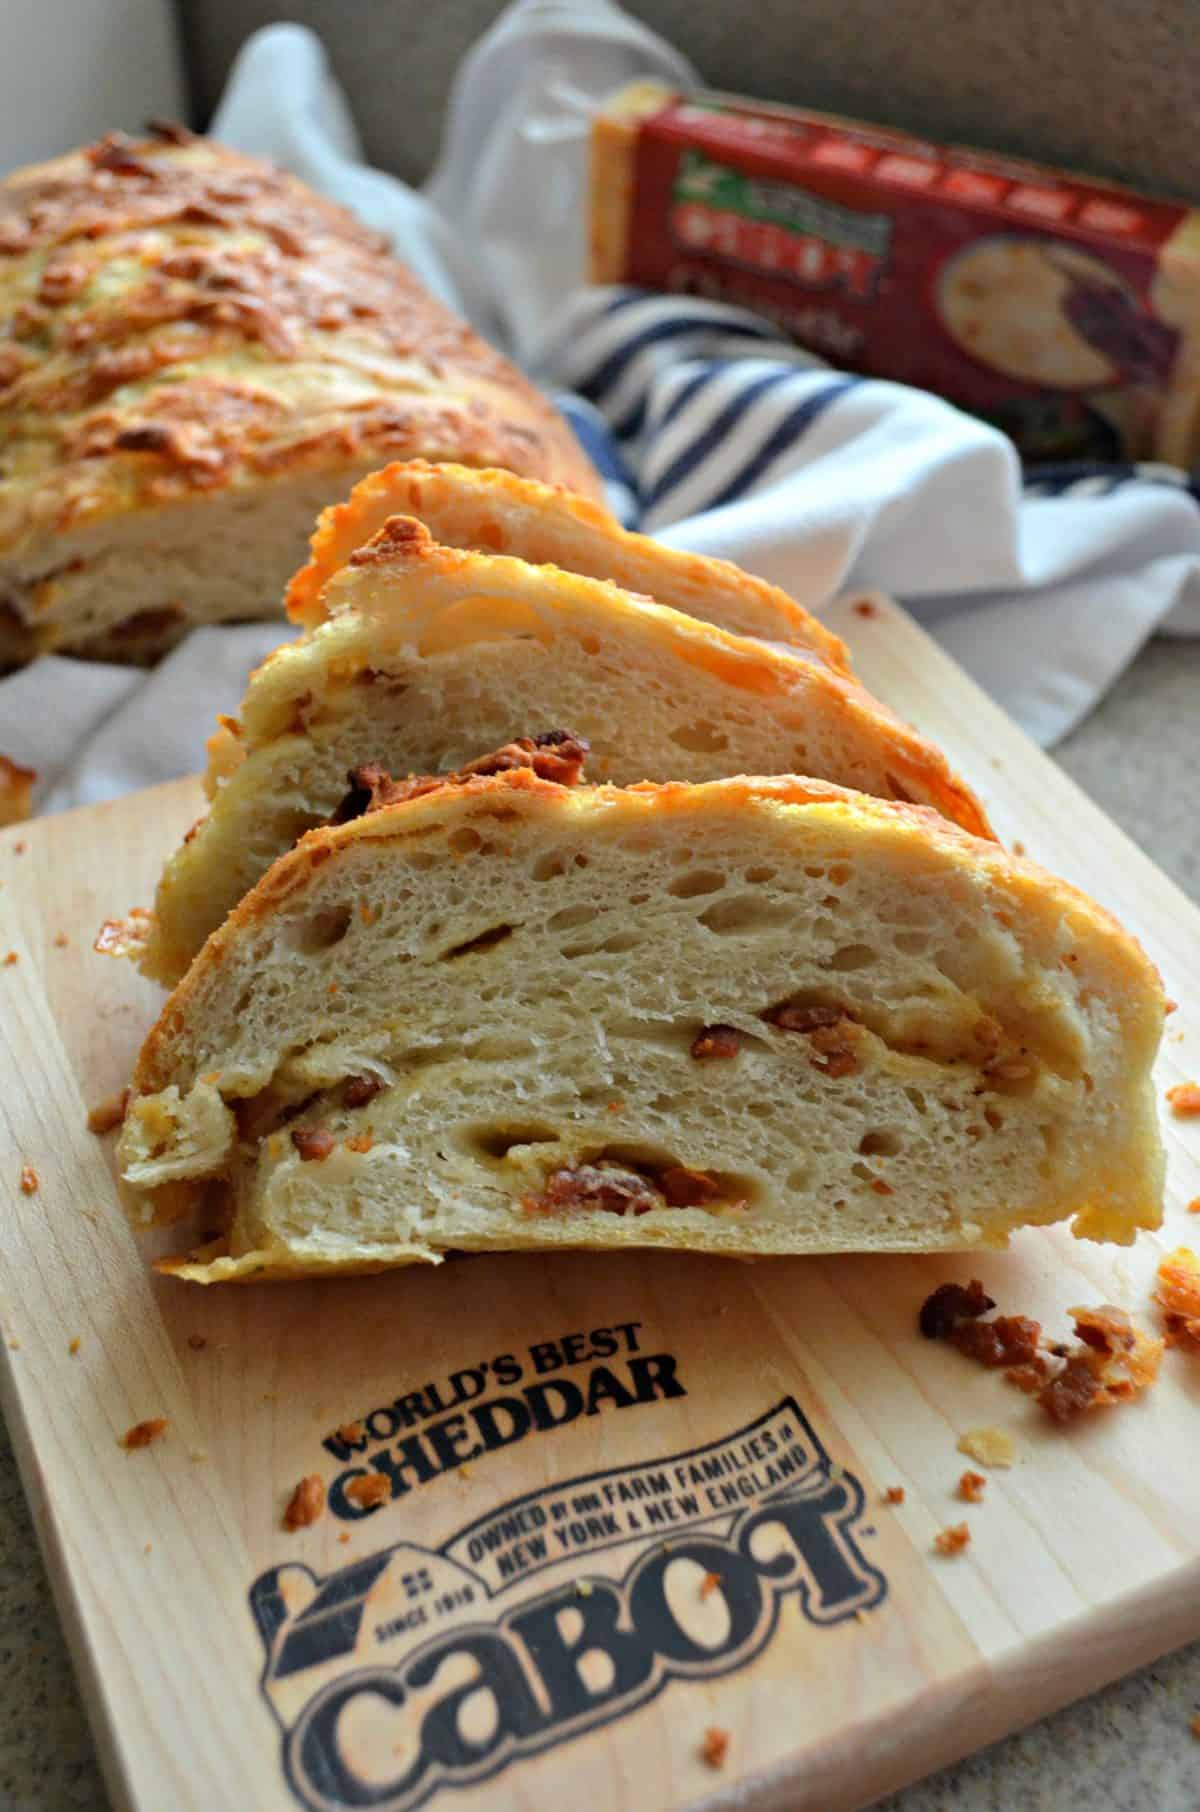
[178, 321]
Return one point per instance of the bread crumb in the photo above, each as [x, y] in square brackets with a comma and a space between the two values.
[306, 1503]
[991, 1447]
[149, 1548]
[837, 1471]
[351, 1432]
[144, 1434]
[108, 1113]
[715, 1747]
[894, 1494]
[1169, 1007]
[73, 1346]
[860, 1616]
[1178, 1296]
[583, 1588]
[1018, 848]
[865, 608]
[1194, 1725]
[29, 1180]
[1193, 1206]
[344, 1536]
[197, 1342]
[953, 1540]
[971, 1487]
[1184, 1099]
[709, 1583]
[369, 1491]
[197, 1456]
[18, 849]
[360, 1142]
[14, 1346]
[10, 959]
[61, 941]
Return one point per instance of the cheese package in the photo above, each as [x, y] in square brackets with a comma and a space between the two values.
[1065, 311]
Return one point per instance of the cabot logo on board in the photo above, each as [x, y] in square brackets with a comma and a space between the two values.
[417, 1669]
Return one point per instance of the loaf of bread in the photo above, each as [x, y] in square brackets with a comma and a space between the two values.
[748, 1016]
[429, 654]
[197, 353]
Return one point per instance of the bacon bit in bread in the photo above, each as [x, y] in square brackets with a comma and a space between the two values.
[367, 913]
[880, 1187]
[313, 1143]
[558, 756]
[369, 1491]
[360, 1142]
[352, 1433]
[715, 1746]
[894, 1494]
[16, 788]
[716, 1042]
[953, 1540]
[601, 1186]
[831, 1031]
[197, 1342]
[358, 1090]
[949, 1305]
[971, 1487]
[1178, 1296]
[144, 1434]
[685, 1188]
[306, 1503]
[991, 1447]
[709, 1583]
[109, 1113]
[29, 1180]
[1184, 1100]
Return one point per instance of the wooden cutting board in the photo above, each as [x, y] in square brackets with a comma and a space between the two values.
[534, 1625]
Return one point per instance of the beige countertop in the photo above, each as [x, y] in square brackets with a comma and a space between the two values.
[1128, 1749]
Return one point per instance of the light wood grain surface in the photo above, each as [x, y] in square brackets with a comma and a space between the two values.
[1085, 1558]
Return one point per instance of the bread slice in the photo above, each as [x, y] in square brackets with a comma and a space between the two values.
[430, 654]
[749, 1016]
[493, 512]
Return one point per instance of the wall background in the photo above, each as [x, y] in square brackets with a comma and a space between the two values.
[1103, 86]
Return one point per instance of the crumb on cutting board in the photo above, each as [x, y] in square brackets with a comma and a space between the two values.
[1184, 1100]
[971, 1487]
[29, 1180]
[988, 1446]
[715, 1747]
[306, 1503]
[1177, 1294]
[144, 1434]
[954, 1540]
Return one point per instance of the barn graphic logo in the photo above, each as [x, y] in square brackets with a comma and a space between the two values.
[418, 1669]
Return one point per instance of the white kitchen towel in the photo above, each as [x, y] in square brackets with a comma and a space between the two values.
[713, 433]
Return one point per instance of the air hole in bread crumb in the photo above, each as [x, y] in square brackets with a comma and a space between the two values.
[702, 738]
[840, 873]
[913, 943]
[552, 863]
[698, 881]
[881, 1143]
[320, 932]
[485, 941]
[994, 1120]
[918, 1100]
[569, 917]
[743, 914]
[759, 875]
[464, 839]
[498, 1141]
[853, 956]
